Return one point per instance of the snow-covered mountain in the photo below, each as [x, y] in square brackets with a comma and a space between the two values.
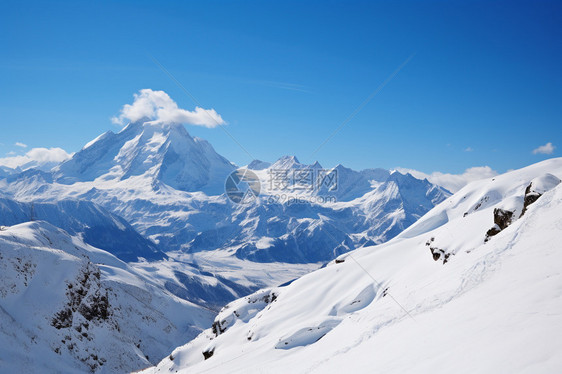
[170, 188]
[6, 171]
[95, 225]
[68, 307]
[159, 152]
[473, 286]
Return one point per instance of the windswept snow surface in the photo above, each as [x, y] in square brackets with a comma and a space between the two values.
[444, 296]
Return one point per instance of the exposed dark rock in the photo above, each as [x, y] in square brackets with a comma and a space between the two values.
[436, 252]
[208, 353]
[217, 328]
[62, 319]
[439, 253]
[530, 197]
[85, 297]
[502, 219]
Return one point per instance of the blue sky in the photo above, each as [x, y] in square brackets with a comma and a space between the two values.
[483, 86]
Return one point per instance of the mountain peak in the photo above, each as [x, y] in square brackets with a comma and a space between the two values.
[258, 165]
[316, 165]
[155, 151]
[287, 162]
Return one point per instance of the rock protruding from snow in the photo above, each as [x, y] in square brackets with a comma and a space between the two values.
[537, 187]
[502, 219]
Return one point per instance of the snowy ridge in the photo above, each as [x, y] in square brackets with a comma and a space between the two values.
[68, 307]
[418, 303]
[94, 224]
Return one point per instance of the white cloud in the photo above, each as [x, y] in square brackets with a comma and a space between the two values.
[453, 182]
[468, 149]
[158, 107]
[546, 149]
[22, 145]
[36, 157]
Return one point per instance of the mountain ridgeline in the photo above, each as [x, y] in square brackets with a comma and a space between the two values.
[169, 187]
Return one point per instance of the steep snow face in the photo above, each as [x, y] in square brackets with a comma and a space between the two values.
[441, 297]
[92, 223]
[166, 153]
[68, 307]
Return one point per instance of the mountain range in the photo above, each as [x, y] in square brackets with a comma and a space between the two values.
[136, 237]
[169, 187]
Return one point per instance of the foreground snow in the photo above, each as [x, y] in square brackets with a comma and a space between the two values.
[68, 307]
[463, 290]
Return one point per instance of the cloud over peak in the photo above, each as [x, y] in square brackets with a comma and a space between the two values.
[546, 149]
[159, 107]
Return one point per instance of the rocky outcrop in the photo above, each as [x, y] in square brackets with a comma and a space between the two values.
[530, 197]
[437, 253]
[502, 219]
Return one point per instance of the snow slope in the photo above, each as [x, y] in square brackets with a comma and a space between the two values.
[473, 286]
[68, 307]
[94, 224]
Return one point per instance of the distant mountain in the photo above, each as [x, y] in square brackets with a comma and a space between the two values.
[165, 153]
[472, 286]
[6, 171]
[258, 165]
